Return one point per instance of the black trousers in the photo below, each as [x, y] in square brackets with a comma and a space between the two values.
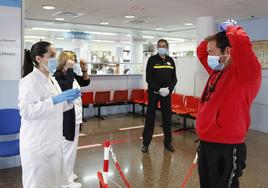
[220, 165]
[165, 103]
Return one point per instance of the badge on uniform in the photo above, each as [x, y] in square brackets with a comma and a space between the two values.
[168, 63]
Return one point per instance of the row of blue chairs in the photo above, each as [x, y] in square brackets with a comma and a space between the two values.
[10, 122]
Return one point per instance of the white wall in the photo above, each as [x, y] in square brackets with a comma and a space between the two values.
[185, 68]
[185, 46]
[257, 30]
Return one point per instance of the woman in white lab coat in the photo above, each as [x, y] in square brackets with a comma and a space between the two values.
[72, 119]
[41, 105]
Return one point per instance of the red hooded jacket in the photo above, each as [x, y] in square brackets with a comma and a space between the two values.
[224, 115]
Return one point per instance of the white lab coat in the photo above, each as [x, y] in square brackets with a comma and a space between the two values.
[41, 131]
[70, 147]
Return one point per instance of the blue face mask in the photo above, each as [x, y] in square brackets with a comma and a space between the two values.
[213, 62]
[52, 65]
[162, 51]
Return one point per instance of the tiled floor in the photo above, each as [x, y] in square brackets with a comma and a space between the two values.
[156, 169]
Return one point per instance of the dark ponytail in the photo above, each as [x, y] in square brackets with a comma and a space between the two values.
[38, 49]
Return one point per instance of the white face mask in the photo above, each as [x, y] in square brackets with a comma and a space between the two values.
[214, 63]
[162, 51]
[52, 65]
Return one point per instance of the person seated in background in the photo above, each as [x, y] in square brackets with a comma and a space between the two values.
[72, 119]
[126, 71]
[110, 71]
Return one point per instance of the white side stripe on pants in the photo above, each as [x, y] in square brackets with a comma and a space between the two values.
[234, 168]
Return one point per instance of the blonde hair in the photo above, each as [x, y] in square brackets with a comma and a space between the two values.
[64, 57]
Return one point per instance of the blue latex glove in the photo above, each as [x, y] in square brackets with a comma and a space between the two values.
[223, 26]
[68, 95]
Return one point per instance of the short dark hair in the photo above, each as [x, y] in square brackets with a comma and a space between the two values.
[163, 40]
[221, 39]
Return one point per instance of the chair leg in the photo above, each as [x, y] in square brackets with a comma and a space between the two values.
[83, 115]
[133, 108]
[99, 113]
[184, 127]
[143, 110]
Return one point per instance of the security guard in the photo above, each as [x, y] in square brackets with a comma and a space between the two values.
[161, 79]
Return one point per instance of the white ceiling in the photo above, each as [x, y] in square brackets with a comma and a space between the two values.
[167, 14]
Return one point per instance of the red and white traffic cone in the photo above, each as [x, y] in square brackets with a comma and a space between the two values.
[106, 161]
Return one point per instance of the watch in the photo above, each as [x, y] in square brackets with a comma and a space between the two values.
[84, 70]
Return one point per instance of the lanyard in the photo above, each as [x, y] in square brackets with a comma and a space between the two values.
[210, 88]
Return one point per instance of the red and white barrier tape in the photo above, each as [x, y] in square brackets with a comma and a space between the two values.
[119, 168]
[190, 172]
[106, 161]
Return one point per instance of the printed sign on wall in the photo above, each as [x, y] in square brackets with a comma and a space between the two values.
[10, 39]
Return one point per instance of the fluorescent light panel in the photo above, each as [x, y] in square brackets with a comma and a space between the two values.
[35, 37]
[50, 29]
[147, 37]
[59, 19]
[48, 7]
[107, 41]
[175, 39]
[188, 24]
[130, 16]
[99, 33]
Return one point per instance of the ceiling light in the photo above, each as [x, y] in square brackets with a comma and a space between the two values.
[99, 33]
[232, 21]
[104, 23]
[147, 37]
[159, 29]
[50, 29]
[188, 24]
[126, 42]
[59, 19]
[59, 38]
[106, 41]
[129, 35]
[31, 41]
[48, 7]
[35, 37]
[175, 39]
[130, 16]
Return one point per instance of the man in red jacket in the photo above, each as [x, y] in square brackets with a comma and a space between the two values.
[224, 111]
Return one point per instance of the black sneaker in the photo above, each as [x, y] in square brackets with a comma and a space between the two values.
[144, 149]
[169, 147]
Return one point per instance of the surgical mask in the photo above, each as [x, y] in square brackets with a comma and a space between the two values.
[162, 51]
[52, 65]
[77, 68]
[213, 62]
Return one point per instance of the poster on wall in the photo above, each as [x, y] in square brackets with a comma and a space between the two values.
[261, 50]
[10, 39]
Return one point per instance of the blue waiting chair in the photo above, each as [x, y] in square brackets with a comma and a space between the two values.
[10, 122]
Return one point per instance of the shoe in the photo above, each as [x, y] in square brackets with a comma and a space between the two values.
[144, 149]
[74, 176]
[169, 147]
